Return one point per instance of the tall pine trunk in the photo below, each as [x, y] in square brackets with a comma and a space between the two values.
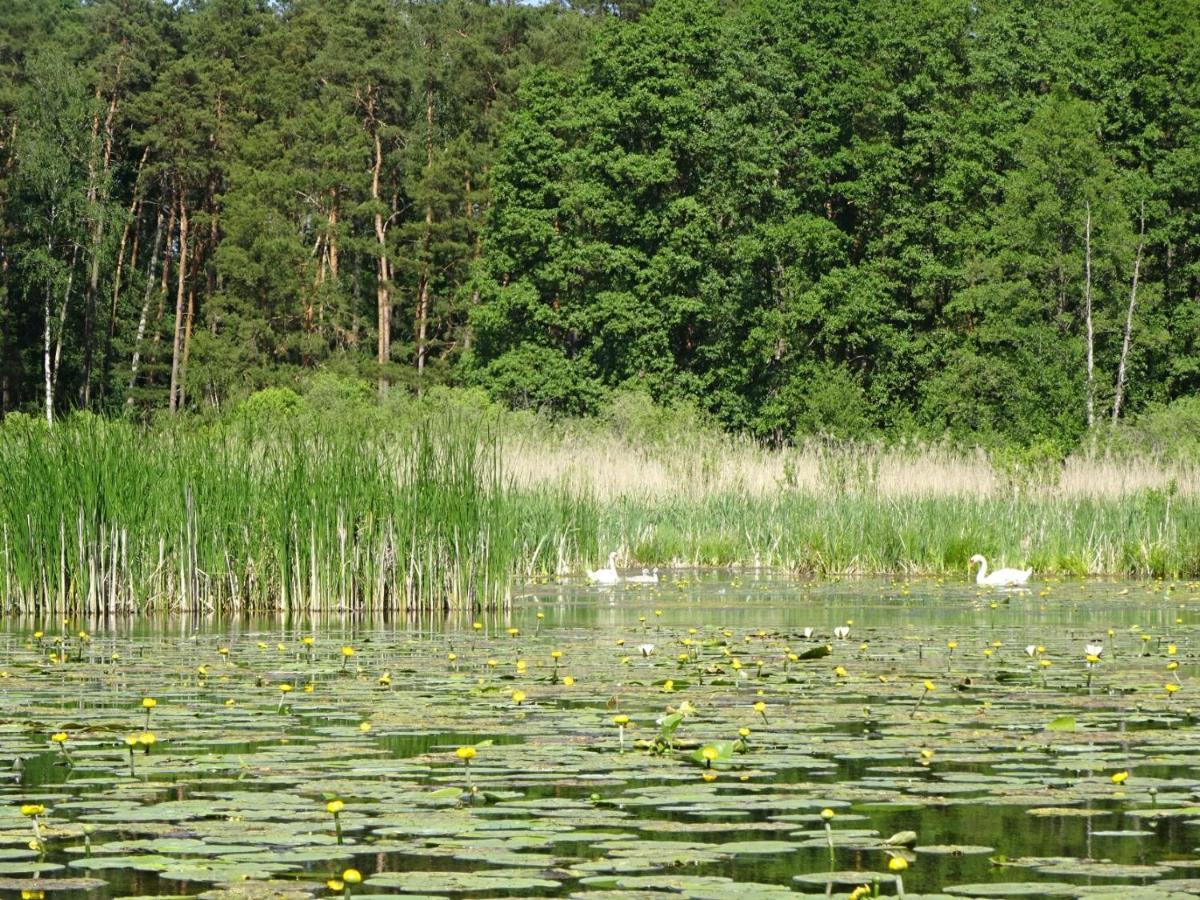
[133, 222]
[382, 292]
[180, 295]
[426, 263]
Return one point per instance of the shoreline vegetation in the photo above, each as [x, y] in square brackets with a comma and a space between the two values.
[446, 501]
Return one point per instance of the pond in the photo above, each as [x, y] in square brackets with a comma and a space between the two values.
[712, 736]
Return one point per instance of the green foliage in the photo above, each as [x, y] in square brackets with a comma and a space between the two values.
[1168, 431]
[268, 408]
[846, 220]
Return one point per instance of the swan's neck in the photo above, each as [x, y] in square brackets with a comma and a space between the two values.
[982, 576]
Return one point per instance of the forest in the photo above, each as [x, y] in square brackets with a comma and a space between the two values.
[854, 218]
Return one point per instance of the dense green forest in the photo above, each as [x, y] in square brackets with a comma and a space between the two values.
[855, 217]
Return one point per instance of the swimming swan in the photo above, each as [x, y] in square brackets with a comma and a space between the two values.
[606, 576]
[647, 577]
[1001, 577]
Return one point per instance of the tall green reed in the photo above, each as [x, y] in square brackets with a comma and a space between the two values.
[100, 516]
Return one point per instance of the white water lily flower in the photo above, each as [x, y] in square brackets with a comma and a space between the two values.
[646, 649]
[1031, 649]
[807, 633]
[1093, 649]
[841, 632]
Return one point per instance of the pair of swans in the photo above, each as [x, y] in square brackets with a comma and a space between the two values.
[1001, 577]
[609, 575]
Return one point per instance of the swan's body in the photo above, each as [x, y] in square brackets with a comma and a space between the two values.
[1001, 577]
[606, 576]
[647, 577]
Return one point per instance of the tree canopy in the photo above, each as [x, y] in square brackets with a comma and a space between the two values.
[850, 217]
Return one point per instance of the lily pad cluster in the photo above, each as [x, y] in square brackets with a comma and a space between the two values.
[708, 739]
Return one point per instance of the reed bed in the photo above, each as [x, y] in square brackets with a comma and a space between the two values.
[104, 517]
[100, 517]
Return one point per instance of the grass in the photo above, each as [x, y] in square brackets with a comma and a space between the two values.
[99, 517]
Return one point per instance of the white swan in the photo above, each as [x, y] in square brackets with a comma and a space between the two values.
[1001, 577]
[606, 576]
[647, 577]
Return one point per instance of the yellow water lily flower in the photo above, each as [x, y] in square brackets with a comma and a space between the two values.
[32, 809]
[897, 864]
[334, 806]
[1120, 777]
[518, 697]
[465, 753]
[352, 876]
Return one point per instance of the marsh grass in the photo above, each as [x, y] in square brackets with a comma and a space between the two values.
[99, 516]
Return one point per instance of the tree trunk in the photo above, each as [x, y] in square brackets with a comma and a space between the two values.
[331, 241]
[1137, 267]
[426, 262]
[133, 221]
[187, 339]
[46, 355]
[62, 319]
[382, 294]
[180, 296]
[97, 194]
[1087, 307]
[150, 281]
